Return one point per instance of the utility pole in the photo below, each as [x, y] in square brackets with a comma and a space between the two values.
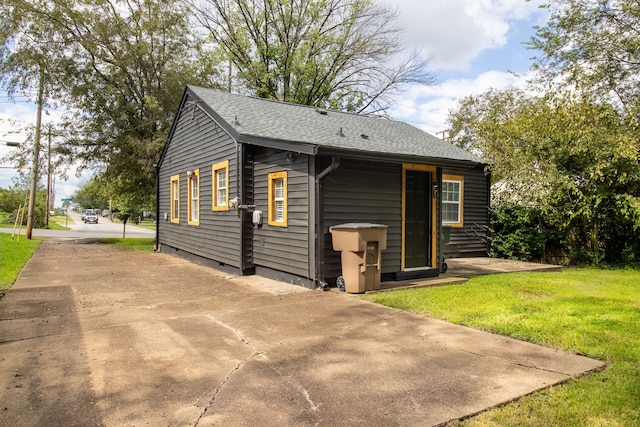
[49, 189]
[36, 155]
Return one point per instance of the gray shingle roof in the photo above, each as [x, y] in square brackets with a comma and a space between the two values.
[261, 118]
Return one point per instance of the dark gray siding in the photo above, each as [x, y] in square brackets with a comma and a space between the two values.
[198, 143]
[465, 241]
[286, 249]
[361, 191]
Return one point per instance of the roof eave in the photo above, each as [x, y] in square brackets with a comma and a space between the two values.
[398, 158]
[296, 147]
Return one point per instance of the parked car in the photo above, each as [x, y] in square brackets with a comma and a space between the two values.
[90, 217]
[85, 212]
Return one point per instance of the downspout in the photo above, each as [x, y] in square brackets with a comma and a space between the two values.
[157, 243]
[239, 200]
[335, 164]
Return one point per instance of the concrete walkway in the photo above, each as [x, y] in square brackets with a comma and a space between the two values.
[461, 268]
[486, 265]
[98, 335]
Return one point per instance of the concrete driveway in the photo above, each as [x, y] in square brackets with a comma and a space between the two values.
[98, 335]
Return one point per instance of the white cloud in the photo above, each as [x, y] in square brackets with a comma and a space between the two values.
[471, 44]
[428, 107]
[12, 118]
[15, 121]
[19, 113]
[455, 32]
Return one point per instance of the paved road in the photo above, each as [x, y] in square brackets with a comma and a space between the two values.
[80, 230]
[99, 335]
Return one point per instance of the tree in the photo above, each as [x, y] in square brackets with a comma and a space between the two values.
[93, 194]
[120, 70]
[572, 157]
[11, 199]
[593, 46]
[328, 53]
[573, 153]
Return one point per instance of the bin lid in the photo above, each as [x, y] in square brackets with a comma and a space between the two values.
[357, 226]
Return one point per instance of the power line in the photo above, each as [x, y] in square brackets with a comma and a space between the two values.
[422, 109]
[415, 123]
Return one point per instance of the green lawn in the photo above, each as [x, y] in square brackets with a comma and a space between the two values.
[146, 223]
[60, 222]
[587, 311]
[14, 254]
[144, 244]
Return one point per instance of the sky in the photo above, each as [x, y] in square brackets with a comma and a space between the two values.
[14, 117]
[472, 46]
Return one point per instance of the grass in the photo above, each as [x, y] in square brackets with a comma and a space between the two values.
[146, 223]
[56, 222]
[586, 311]
[144, 244]
[14, 255]
[60, 222]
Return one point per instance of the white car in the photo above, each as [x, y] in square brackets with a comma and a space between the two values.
[90, 217]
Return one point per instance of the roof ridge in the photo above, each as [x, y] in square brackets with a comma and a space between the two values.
[293, 104]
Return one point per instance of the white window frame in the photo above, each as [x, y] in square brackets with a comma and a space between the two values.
[459, 180]
[193, 180]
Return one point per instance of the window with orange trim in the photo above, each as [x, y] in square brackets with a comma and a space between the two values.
[175, 199]
[220, 174]
[278, 199]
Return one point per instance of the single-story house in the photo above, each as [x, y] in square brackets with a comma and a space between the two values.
[253, 186]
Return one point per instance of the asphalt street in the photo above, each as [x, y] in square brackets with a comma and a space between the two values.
[80, 230]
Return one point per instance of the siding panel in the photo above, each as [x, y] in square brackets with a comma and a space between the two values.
[198, 143]
[283, 248]
[465, 241]
[364, 192]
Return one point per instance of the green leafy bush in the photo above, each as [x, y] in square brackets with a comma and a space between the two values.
[528, 234]
[516, 233]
